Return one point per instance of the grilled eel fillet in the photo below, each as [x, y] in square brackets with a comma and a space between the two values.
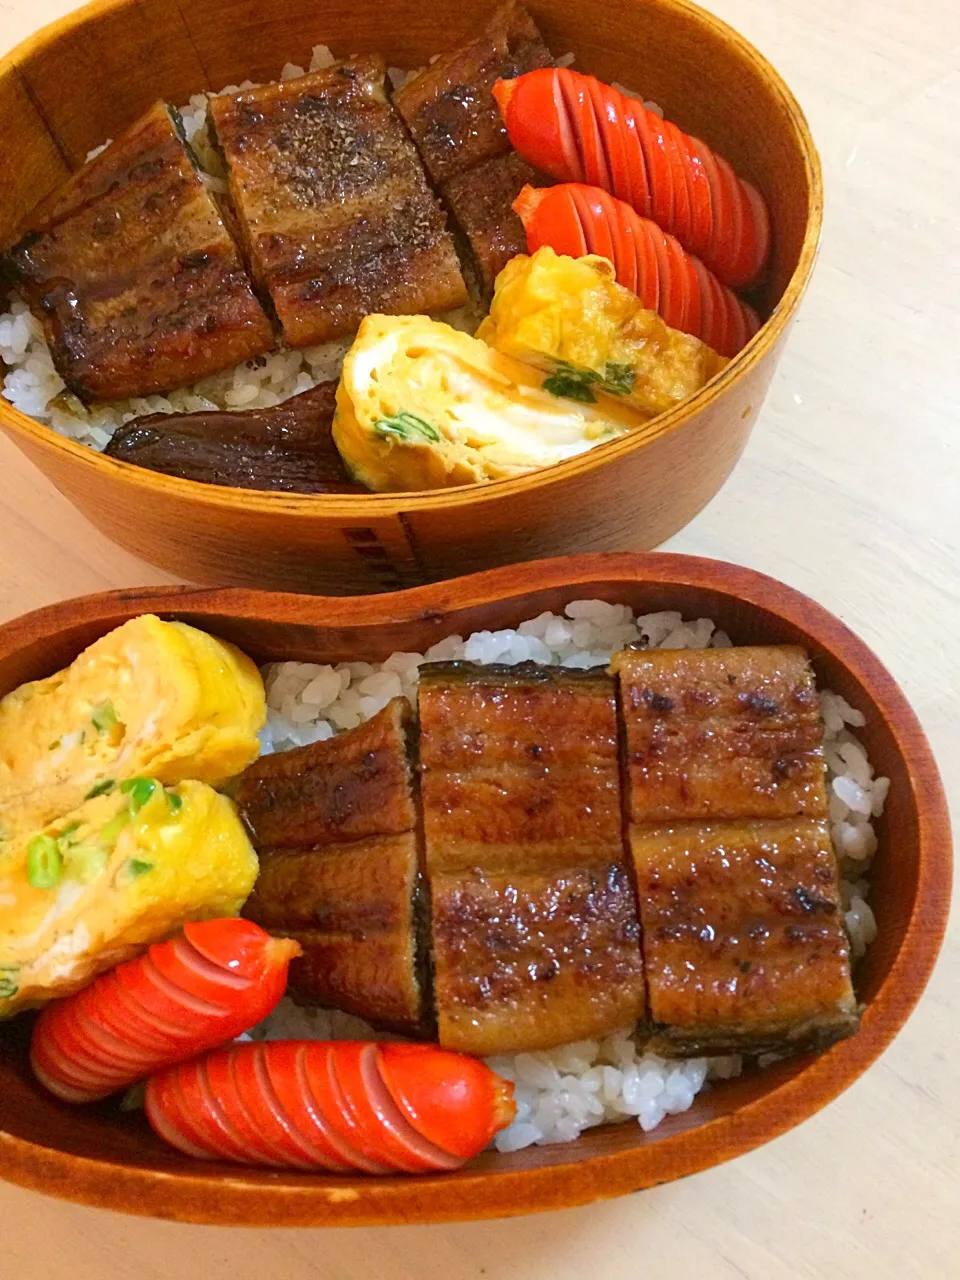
[335, 827]
[133, 273]
[737, 881]
[333, 206]
[288, 448]
[455, 122]
[534, 922]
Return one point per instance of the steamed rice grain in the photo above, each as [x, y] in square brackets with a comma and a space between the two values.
[561, 1092]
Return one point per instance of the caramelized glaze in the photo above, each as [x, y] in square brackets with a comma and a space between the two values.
[534, 923]
[737, 880]
[334, 825]
[455, 122]
[133, 272]
[334, 209]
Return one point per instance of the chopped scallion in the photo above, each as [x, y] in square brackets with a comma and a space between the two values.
[138, 867]
[109, 832]
[407, 426]
[44, 862]
[138, 791]
[101, 789]
[103, 716]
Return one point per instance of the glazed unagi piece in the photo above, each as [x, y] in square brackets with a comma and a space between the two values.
[532, 959]
[449, 107]
[534, 922]
[737, 880]
[133, 274]
[334, 824]
[455, 122]
[351, 907]
[287, 448]
[333, 206]
[722, 733]
[743, 937]
[481, 200]
[349, 788]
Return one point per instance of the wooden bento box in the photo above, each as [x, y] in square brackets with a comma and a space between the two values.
[85, 78]
[98, 1155]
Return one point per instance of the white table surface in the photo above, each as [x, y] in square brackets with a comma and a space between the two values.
[850, 491]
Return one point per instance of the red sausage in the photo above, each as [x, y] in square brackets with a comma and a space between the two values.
[459, 1110]
[574, 219]
[179, 998]
[333, 1105]
[578, 129]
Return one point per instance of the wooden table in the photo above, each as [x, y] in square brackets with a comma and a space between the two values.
[850, 490]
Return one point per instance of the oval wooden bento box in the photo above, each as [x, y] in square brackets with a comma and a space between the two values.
[87, 77]
[101, 1157]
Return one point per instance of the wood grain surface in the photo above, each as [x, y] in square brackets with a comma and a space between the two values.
[849, 491]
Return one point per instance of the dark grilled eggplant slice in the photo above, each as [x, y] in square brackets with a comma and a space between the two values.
[336, 216]
[534, 920]
[133, 273]
[288, 448]
[737, 881]
[335, 827]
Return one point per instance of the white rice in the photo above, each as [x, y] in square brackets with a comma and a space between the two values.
[564, 1091]
[649, 103]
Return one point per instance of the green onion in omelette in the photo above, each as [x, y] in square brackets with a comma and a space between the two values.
[110, 831]
[101, 789]
[138, 791]
[103, 716]
[85, 862]
[406, 426]
[44, 862]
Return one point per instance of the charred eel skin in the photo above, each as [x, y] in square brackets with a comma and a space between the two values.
[594, 851]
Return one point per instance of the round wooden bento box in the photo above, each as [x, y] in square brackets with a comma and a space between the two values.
[87, 77]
